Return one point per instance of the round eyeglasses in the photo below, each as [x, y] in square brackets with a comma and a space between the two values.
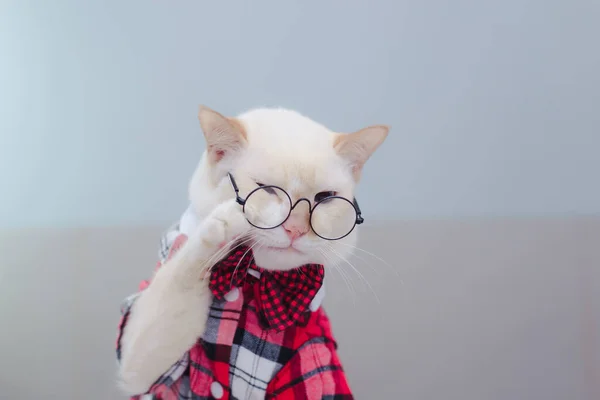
[269, 206]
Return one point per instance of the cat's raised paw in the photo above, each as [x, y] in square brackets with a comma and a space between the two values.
[225, 224]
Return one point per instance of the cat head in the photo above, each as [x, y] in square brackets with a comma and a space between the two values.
[308, 161]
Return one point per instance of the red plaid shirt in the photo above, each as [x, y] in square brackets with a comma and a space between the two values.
[237, 358]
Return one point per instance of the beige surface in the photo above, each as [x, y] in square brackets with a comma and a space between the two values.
[479, 310]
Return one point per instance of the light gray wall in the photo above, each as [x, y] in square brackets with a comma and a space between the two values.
[493, 104]
[504, 310]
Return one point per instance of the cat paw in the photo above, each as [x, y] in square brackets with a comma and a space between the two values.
[225, 224]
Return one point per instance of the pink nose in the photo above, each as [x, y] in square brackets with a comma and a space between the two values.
[294, 231]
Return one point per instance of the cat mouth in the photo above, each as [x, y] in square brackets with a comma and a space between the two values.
[288, 249]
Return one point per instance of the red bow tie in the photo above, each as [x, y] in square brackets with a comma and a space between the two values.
[283, 296]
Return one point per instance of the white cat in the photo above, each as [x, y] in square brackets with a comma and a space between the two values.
[260, 147]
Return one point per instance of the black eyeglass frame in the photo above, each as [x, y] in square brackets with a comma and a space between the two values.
[241, 201]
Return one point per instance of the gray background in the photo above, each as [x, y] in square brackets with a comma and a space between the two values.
[483, 200]
[473, 310]
[493, 104]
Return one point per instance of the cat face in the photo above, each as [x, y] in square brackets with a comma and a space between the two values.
[300, 164]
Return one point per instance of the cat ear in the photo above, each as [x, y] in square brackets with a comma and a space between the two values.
[224, 136]
[357, 147]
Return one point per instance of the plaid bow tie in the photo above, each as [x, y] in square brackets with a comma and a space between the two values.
[283, 296]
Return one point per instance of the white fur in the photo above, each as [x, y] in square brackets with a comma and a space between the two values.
[171, 314]
[271, 146]
[286, 149]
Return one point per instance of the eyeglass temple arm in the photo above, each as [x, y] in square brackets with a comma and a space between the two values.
[359, 218]
[236, 189]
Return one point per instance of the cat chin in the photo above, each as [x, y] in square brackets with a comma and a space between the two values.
[282, 259]
[305, 252]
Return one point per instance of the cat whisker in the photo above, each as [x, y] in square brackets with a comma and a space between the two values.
[366, 263]
[335, 267]
[255, 243]
[387, 264]
[219, 254]
[358, 273]
[261, 243]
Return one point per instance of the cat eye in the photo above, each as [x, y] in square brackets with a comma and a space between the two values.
[266, 188]
[319, 197]
[332, 217]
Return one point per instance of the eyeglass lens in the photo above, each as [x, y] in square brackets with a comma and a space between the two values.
[268, 207]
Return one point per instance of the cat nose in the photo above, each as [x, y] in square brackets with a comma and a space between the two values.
[295, 228]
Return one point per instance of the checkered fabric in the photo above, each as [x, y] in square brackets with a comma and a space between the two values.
[283, 297]
[239, 358]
